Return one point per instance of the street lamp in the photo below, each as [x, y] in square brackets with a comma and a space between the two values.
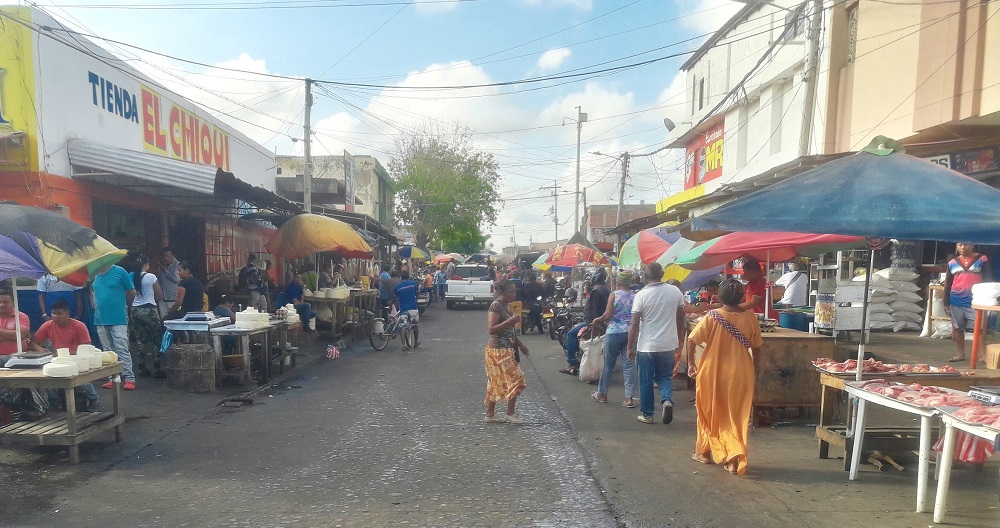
[581, 118]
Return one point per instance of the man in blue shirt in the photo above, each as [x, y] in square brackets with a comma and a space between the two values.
[406, 293]
[113, 293]
[294, 293]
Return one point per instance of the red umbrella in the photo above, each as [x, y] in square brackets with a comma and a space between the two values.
[574, 255]
[769, 246]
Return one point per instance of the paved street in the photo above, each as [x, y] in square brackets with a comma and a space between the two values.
[393, 439]
[373, 439]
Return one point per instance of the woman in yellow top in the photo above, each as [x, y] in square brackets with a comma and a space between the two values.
[724, 394]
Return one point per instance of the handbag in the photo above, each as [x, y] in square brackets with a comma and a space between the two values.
[592, 362]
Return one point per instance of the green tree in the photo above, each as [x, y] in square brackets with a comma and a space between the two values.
[464, 238]
[446, 190]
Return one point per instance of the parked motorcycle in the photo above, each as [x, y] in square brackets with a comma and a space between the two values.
[531, 308]
[423, 301]
[565, 319]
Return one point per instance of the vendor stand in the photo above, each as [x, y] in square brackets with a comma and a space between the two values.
[338, 311]
[831, 384]
[69, 428]
[244, 335]
[926, 415]
[977, 334]
[952, 425]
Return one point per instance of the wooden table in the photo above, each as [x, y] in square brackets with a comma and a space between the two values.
[828, 435]
[283, 345]
[951, 426]
[337, 306]
[784, 375]
[362, 301]
[64, 429]
[977, 332]
[244, 334]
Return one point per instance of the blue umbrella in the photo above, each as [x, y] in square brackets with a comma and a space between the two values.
[873, 193]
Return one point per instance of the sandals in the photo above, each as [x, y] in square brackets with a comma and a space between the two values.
[702, 459]
[957, 359]
[572, 371]
[597, 396]
[628, 403]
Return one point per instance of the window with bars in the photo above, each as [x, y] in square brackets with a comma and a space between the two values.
[852, 32]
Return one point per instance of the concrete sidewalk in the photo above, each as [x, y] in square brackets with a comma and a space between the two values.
[35, 475]
[650, 479]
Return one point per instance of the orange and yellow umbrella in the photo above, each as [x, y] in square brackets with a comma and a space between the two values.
[306, 234]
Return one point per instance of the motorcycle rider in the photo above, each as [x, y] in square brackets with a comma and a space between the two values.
[596, 303]
[530, 293]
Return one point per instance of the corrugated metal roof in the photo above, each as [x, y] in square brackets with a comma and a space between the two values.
[142, 166]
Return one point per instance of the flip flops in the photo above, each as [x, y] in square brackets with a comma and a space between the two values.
[571, 371]
[629, 402]
[597, 396]
[957, 359]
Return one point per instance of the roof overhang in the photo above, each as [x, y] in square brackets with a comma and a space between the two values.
[187, 183]
[673, 211]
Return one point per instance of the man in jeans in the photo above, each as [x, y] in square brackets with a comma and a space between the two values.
[113, 293]
[657, 330]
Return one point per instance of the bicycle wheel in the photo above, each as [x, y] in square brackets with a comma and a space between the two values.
[379, 339]
[408, 337]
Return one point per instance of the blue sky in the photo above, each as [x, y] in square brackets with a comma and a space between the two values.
[436, 44]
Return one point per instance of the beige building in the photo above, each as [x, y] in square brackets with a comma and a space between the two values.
[601, 218]
[927, 73]
[372, 184]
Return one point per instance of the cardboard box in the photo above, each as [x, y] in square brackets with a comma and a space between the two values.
[993, 356]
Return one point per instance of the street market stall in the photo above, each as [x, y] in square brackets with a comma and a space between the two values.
[307, 234]
[880, 193]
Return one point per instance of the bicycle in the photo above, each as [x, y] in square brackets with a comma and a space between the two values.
[382, 331]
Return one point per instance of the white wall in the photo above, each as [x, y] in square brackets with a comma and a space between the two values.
[764, 124]
[64, 96]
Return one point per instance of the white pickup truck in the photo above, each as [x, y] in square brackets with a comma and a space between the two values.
[474, 286]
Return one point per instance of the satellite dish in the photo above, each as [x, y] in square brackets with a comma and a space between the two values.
[669, 124]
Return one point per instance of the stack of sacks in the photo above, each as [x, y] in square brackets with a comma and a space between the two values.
[986, 294]
[906, 313]
[893, 302]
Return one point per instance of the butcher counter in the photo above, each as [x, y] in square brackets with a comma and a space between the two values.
[784, 373]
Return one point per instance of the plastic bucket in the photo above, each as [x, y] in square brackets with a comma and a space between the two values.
[794, 320]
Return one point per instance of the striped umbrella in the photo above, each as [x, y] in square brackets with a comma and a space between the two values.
[413, 252]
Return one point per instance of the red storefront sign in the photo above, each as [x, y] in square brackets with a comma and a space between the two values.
[704, 157]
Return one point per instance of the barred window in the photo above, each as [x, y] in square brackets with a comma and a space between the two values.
[852, 32]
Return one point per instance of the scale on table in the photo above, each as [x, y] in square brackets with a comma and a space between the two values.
[28, 360]
[989, 395]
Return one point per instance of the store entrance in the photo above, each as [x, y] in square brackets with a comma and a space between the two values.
[128, 228]
[187, 240]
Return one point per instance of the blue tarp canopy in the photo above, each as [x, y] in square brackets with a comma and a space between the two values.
[874, 193]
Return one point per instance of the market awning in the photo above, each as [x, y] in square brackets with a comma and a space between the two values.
[726, 192]
[227, 184]
[198, 185]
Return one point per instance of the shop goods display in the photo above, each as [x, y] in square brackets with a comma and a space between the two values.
[923, 368]
[251, 318]
[920, 395]
[986, 294]
[870, 366]
[982, 415]
[894, 298]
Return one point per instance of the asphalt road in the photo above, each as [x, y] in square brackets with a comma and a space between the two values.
[397, 439]
[372, 439]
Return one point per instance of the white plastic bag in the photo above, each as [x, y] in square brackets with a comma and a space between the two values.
[942, 330]
[592, 362]
[897, 274]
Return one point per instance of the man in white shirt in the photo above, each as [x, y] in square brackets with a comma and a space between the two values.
[657, 330]
[796, 286]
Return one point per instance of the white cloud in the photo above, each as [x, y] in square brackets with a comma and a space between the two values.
[437, 7]
[579, 4]
[552, 59]
[707, 16]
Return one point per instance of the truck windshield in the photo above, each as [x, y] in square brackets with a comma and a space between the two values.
[471, 272]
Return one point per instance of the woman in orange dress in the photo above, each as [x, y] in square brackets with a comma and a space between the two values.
[504, 378]
[724, 393]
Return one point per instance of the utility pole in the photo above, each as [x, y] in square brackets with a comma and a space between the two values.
[513, 238]
[621, 200]
[811, 76]
[581, 118]
[307, 150]
[555, 209]
[586, 217]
